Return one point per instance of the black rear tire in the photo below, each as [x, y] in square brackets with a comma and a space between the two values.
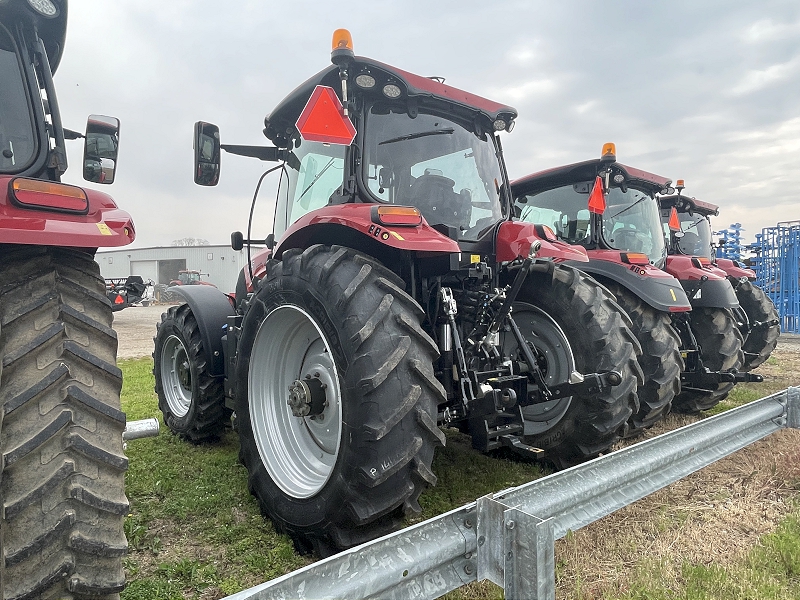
[191, 400]
[720, 350]
[349, 314]
[760, 342]
[63, 475]
[581, 318]
[660, 359]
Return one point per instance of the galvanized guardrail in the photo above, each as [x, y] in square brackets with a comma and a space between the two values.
[509, 537]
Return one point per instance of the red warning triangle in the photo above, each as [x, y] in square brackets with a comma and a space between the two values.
[323, 120]
[597, 201]
[674, 221]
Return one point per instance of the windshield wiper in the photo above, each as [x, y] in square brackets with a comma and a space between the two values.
[320, 174]
[627, 208]
[413, 136]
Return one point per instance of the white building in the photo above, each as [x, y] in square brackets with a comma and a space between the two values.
[219, 265]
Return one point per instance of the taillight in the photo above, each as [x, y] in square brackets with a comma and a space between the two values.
[701, 261]
[48, 195]
[634, 258]
[397, 216]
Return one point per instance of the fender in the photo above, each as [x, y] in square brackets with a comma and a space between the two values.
[657, 288]
[704, 286]
[211, 308]
[359, 218]
[514, 239]
[102, 224]
[735, 269]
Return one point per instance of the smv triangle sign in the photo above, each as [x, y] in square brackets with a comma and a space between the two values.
[322, 120]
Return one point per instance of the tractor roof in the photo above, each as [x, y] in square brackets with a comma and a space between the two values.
[52, 30]
[687, 204]
[280, 124]
[584, 171]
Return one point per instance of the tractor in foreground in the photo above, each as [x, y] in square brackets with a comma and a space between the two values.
[62, 474]
[396, 296]
[681, 310]
[688, 227]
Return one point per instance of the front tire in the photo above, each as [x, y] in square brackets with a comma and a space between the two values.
[191, 400]
[337, 328]
[573, 322]
[760, 342]
[62, 482]
[720, 345]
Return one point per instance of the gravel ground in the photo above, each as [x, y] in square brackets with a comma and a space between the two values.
[136, 328]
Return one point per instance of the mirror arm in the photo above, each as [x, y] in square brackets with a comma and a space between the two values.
[267, 153]
[69, 134]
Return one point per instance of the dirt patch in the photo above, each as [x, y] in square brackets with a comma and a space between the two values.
[136, 328]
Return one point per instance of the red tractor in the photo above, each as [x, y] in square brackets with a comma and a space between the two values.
[62, 482]
[686, 223]
[386, 305]
[690, 359]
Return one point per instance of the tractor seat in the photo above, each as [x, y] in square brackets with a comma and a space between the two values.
[433, 195]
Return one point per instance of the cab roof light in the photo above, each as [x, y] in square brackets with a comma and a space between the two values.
[609, 152]
[341, 46]
[634, 258]
[48, 195]
[679, 186]
[397, 216]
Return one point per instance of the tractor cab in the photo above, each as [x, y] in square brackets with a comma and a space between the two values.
[599, 204]
[686, 224]
[32, 141]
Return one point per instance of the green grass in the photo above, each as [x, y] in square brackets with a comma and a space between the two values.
[195, 531]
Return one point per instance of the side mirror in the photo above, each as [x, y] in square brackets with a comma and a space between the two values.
[206, 154]
[100, 149]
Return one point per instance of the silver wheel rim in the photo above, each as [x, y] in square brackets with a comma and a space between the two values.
[299, 453]
[552, 344]
[176, 376]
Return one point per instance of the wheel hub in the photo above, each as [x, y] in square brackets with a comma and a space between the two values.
[307, 397]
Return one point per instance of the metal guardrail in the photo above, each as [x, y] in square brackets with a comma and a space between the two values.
[509, 537]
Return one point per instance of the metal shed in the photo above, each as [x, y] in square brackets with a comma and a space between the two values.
[219, 265]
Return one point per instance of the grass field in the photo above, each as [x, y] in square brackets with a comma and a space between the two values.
[194, 530]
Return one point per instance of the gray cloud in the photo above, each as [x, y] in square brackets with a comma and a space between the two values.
[706, 92]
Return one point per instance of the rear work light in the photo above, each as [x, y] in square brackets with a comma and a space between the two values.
[48, 195]
[634, 258]
[397, 216]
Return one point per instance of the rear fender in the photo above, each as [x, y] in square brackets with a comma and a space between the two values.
[211, 308]
[654, 286]
[514, 239]
[357, 221]
[102, 226]
[258, 265]
[705, 286]
[733, 269]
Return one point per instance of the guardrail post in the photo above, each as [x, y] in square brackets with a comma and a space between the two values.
[793, 407]
[529, 557]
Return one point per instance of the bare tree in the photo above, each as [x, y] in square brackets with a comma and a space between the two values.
[190, 241]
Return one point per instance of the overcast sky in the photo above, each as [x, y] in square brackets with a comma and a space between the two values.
[702, 90]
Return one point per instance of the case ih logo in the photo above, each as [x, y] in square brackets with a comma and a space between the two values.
[322, 120]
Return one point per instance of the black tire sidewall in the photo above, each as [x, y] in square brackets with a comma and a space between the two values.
[170, 326]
